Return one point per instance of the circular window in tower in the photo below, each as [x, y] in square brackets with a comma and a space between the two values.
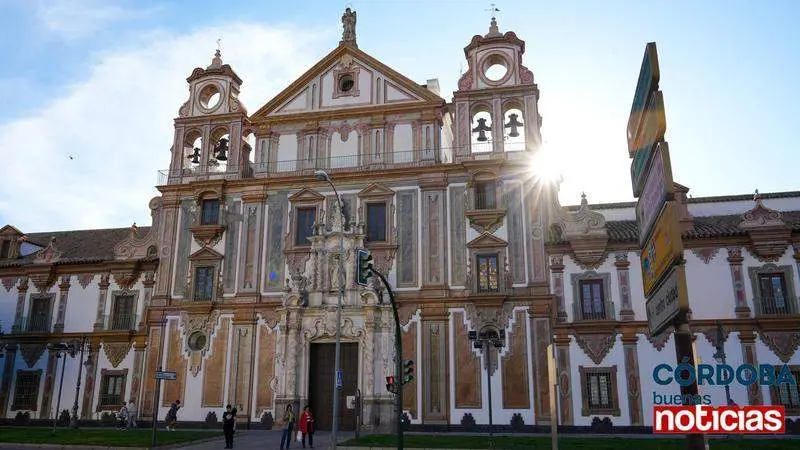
[210, 97]
[495, 68]
[346, 83]
[196, 341]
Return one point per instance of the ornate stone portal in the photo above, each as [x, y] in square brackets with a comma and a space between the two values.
[309, 316]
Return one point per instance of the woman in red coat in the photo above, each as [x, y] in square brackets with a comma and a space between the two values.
[306, 426]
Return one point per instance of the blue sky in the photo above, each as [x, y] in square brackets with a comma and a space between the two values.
[102, 81]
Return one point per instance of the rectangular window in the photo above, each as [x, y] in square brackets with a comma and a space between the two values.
[112, 390]
[487, 273]
[39, 319]
[123, 316]
[773, 293]
[484, 195]
[26, 390]
[210, 215]
[305, 225]
[592, 299]
[598, 387]
[5, 251]
[788, 395]
[204, 283]
[376, 222]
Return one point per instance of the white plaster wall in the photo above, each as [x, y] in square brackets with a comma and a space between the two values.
[364, 90]
[81, 312]
[766, 356]
[636, 286]
[344, 153]
[287, 152]
[615, 357]
[403, 143]
[709, 286]
[8, 307]
[704, 354]
[649, 358]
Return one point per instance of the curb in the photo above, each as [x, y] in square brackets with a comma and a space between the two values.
[14, 446]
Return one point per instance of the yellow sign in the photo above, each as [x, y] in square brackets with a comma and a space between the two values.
[662, 249]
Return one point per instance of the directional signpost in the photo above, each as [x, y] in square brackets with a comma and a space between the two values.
[663, 273]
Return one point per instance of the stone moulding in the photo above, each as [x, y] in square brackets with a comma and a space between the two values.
[783, 343]
[116, 351]
[596, 346]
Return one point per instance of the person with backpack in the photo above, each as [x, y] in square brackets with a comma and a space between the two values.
[229, 425]
[288, 426]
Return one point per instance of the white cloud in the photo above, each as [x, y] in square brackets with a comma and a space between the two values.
[118, 124]
[77, 19]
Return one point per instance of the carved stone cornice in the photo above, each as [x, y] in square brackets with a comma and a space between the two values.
[621, 260]
[557, 263]
[43, 279]
[585, 231]
[116, 351]
[207, 235]
[735, 255]
[31, 353]
[783, 343]
[63, 286]
[596, 346]
[126, 277]
[485, 220]
[768, 232]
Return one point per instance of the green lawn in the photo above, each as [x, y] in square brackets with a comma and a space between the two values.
[100, 436]
[568, 443]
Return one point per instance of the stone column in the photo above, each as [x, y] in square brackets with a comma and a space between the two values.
[737, 277]
[63, 295]
[748, 341]
[622, 264]
[166, 242]
[22, 292]
[629, 347]
[498, 143]
[388, 148]
[557, 281]
[563, 375]
[100, 322]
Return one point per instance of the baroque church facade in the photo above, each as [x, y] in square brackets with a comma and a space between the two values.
[234, 286]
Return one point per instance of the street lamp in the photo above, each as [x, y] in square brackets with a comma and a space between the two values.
[487, 338]
[74, 420]
[321, 175]
[720, 357]
[61, 350]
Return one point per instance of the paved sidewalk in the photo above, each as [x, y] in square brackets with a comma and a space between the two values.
[267, 440]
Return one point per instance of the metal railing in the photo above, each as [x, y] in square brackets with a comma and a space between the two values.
[580, 313]
[38, 323]
[120, 322]
[110, 400]
[485, 200]
[769, 307]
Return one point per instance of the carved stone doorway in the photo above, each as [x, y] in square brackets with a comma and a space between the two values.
[321, 375]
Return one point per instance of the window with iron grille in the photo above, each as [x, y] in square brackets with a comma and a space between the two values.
[788, 395]
[488, 274]
[210, 212]
[6, 249]
[484, 195]
[773, 293]
[599, 390]
[204, 282]
[39, 319]
[304, 228]
[592, 299]
[376, 222]
[122, 318]
[26, 390]
[112, 389]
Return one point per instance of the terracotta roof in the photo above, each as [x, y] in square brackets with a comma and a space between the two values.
[702, 227]
[714, 199]
[78, 246]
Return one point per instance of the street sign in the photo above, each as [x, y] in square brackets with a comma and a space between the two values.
[668, 301]
[162, 375]
[649, 75]
[662, 249]
[658, 188]
[653, 127]
[339, 379]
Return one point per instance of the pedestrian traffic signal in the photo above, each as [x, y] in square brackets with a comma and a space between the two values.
[408, 371]
[363, 267]
[390, 383]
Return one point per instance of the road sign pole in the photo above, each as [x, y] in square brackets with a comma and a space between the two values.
[684, 351]
[155, 408]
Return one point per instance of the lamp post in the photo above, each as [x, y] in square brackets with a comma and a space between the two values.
[74, 420]
[487, 338]
[321, 175]
[61, 350]
[720, 357]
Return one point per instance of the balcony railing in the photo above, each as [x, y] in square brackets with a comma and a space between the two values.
[109, 400]
[120, 322]
[38, 323]
[768, 307]
[607, 312]
[485, 200]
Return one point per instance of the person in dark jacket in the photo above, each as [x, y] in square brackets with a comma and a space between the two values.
[288, 426]
[229, 425]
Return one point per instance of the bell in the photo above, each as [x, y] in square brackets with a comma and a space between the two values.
[221, 149]
[195, 157]
[513, 123]
[482, 128]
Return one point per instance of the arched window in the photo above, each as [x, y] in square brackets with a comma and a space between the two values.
[192, 150]
[513, 130]
[219, 150]
[481, 128]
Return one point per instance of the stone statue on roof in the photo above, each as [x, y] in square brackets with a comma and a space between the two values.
[349, 26]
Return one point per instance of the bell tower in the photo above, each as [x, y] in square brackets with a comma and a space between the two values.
[496, 105]
[212, 128]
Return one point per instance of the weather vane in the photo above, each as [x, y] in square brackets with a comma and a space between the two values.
[219, 44]
[492, 9]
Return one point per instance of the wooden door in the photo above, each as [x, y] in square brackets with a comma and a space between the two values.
[321, 378]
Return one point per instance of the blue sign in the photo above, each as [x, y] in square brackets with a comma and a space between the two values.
[339, 379]
[648, 82]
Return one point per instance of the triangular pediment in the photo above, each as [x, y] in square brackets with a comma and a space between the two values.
[375, 84]
[8, 230]
[487, 240]
[375, 190]
[206, 253]
[306, 195]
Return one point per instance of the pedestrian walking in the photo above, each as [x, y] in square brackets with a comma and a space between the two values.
[132, 414]
[229, 425]
[172, 415]
[306, 426]
[288, 426]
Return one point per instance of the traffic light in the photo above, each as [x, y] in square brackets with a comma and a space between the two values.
[363, 267]
[408, 371]
[390, 383]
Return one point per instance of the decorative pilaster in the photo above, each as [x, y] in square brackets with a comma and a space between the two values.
[105, 282]
[541, 389]
[747, 339]
[90, 367]
[630, 349]
[564, 380]
[557, 283]
[63, 295]
[22, 292]
[622, 264]
[52, 366]
[148, 282]
[167, 236]
[8, 372]
[796, 248]
[136, 376]
[737, 277]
